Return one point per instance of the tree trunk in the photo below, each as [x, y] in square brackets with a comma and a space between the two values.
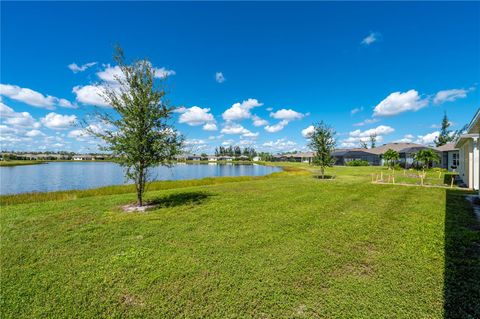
[322, 172]
[140, 185]
[139, 198]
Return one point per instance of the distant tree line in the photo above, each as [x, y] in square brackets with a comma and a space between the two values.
[235, 151]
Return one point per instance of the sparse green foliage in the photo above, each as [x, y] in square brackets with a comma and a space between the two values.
[138, 134]
[363, 144]
[445, 135]
[322, 143]
[427, 157]
[373, 140]
[357, 163]
[391, 157]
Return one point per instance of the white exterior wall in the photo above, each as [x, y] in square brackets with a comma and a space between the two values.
[469, 168]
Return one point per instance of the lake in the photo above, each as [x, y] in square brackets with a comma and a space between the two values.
[58, 176]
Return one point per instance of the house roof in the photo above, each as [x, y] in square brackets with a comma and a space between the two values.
[447, 147]
[474, 126]
[399, 147]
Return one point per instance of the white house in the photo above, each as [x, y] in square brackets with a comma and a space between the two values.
[468, 145]
[450, 156]
[84, 157]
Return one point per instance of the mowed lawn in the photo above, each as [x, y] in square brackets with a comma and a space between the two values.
[289, 246]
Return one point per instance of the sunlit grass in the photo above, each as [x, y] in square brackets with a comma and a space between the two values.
[285, 245]
[18, 163]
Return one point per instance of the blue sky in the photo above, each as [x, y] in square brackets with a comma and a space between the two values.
[251, 74]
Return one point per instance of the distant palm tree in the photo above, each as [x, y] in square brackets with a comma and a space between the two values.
[391, 157]
[427, 157]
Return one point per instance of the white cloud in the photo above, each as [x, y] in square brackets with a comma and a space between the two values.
[110, 73]
[77, 133]
[22, 119]
[371, 38]
[195, 115]
[399, 102]
[161, 73]
[250, 134]
[367, 121]
[227, 142]
[233, 128]
[32, 97]
[357, 136]
[356, 110]
[280, 145]
[56, 121]
[219, 77]
[237, 129]
[180, 109]
[34, 133]
[6, 111]
[287, 115]
[210, 127]
[239, 111]
[17, 119]
[379, 130]
[407, 138]
[308, 131]
[195, 141]
[76, 68]
[258, 121]
[427, 139]
[91, 95]
[449, 95]
[276, 127]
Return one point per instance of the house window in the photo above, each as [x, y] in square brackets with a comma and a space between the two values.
[455, 159]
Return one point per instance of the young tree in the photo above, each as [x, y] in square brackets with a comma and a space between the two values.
[138, 134]
[427, 157]
[373, 140]
[363, 144]
[322, 143]
[445, 135]
[391, 157]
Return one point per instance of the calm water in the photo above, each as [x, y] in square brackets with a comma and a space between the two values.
[74, 175]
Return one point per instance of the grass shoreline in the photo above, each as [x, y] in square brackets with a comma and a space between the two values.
[20, 163]
[288, 168]
[34, 197]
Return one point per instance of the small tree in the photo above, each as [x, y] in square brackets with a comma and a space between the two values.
[138, 135]
[322, 143]
[427, 157]
[391, 157]
[363, 144]
[373, 140]
[445, 135]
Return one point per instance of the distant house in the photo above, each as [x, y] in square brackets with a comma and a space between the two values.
[194, 157]
[295, 157]
[468, 148]
[225, 158]
[212, 158]
[256, 158]
[450, 156]
[373, 156]
[83, 157]
[343, 156]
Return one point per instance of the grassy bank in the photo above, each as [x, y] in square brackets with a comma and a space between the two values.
[283, 246]
[18, 163]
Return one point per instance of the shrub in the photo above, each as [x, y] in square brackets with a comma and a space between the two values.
[358, 163]
[447, 177]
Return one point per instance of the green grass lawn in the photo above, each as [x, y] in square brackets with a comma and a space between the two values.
[22, 162]
[284, 246]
